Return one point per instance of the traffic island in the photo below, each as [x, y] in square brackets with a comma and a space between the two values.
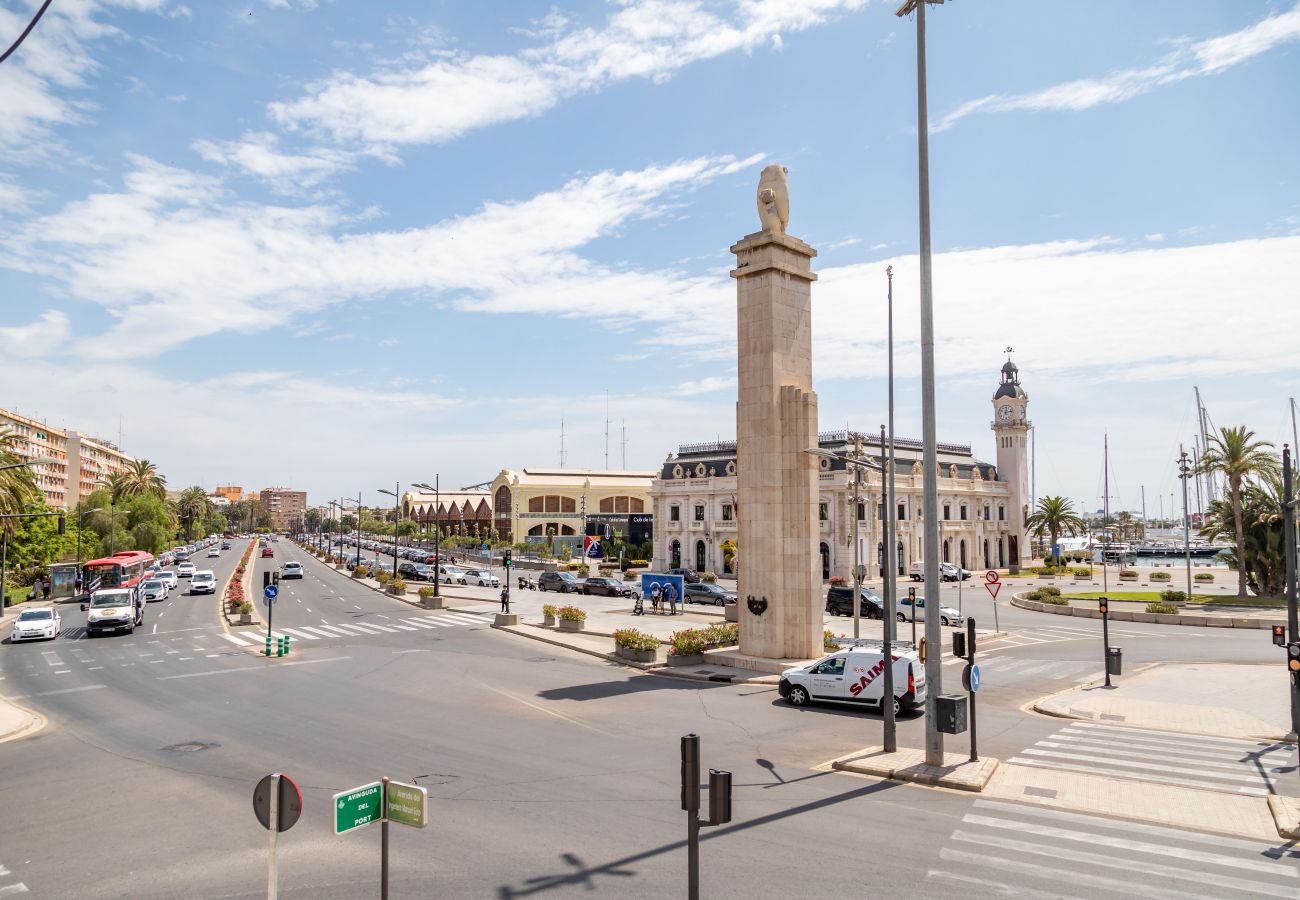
[905, 764]
[1286, 815]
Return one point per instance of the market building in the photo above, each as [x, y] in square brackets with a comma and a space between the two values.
[532, 505]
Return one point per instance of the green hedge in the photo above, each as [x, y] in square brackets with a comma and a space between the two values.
[1161, 576]
[1162, 608]
[1203, 576]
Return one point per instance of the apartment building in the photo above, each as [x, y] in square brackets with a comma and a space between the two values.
[285, 506]
[81, 460]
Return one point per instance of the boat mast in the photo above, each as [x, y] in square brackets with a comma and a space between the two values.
[1205, 443]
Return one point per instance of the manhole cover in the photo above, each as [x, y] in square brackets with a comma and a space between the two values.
[190, 747]
[435, 778]
[540, 659]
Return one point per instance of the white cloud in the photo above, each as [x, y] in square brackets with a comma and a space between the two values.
[448, 93]
[37, 338]
[1191, 59]
[174, 253]
[258, 153]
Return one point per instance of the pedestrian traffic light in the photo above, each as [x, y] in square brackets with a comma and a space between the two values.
[1103, 606]
[1279, 635]
[1293, 656]
[63, 524]
[959, 644]
[505, 559]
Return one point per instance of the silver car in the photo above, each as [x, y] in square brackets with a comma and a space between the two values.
[154, 589]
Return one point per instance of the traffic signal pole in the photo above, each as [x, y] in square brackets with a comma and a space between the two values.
[1292, 619]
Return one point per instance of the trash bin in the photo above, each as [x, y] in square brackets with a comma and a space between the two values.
[1114, 661]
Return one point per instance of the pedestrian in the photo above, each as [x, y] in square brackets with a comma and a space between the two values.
[36, 589]
[505, 599]
[655, 594]
[45, 589]
[79, 582]
[671, 591]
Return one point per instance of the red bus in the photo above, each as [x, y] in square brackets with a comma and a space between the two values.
[124, 569]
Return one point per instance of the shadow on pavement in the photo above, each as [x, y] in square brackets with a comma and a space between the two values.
[637, 684]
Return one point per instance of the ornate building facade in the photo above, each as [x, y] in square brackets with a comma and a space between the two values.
[982, 506]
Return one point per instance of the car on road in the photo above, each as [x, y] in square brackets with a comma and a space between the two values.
[170, 579]
[185, 570]
[561, 582]
[689, 576]
[203, 581]
[852, 676]
[481, 577]
[113, 609]
[225, 545]
[291, 569]
[213, 551]
[604, 586]
[182, 557]
[947, 615]
[416, 571]
[352, 563]
[453, 574]
[950, 572]
[839, 602]
[154, 589]
[43, 624]
[268, 553]
[710, 594]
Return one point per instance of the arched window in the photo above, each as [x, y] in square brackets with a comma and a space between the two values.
[1002, 554]
[962, 515]
[986, 553]
[826, 561]
[945, 552]
[961, 547]
[675, 555]
[701, 563]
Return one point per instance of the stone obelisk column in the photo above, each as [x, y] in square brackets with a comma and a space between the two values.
[776, 419]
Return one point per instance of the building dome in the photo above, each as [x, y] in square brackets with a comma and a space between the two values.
[1010, 386]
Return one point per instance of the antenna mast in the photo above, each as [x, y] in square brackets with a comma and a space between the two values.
[562, 454]
[624, 442]
[606, 429]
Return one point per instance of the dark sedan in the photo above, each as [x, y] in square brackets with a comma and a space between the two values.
[415, 571]
[689, 576]
[609, 587]
[703, 592]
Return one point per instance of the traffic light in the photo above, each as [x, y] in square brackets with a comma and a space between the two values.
[1103, 605]
[1293, 656]
[1279, 635]
[63, 524]
[911, 595]
[505, 558]
[959, 644]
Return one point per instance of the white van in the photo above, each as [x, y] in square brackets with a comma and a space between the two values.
[853, 675]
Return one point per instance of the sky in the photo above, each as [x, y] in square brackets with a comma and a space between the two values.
[336, 245]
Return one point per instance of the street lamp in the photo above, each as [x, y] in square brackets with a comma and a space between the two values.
[341, 506]
[854, 459]
[38, 461]
[437, 529]
[930, 454]
[396, 494]
[1185, 472]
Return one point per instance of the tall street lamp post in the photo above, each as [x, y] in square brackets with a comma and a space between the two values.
[1185, 472]
[855, 461]
[396, 494]
[930, 455]
[437, 529]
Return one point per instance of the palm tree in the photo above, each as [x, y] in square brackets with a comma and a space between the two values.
[731, 555]
[1056, 516]
[17, 486]
[192, 506]
[141, 479]
[1237, 456]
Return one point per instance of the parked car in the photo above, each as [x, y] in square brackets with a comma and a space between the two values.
[561, 582]
[839, 602]
[453, 574]
[43, 624]
[947, 615]
[689, 576]
[703, 592]
[605, 586]
[950, 572]
[154, 589]
[185, 570]
[481, 577]
[365, 561]
[852, 675]
[415, 571]
[292, 569]
[203, 581]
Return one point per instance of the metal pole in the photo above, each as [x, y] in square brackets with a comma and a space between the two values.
[970, 661]
[691, 804]
[383, 843]
[1292, 619]
[4, 567]
[272, 864]
[1105, 639]
[887, 645]
[1105, 521]
[857, 554]
[358, 532]
[397, 516]
[1184, 473]
[437, 534]
[930, 455]
[891, 543]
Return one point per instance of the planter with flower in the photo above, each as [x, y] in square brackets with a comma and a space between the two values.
[361, 571]
[636, 646]
[549, 612]
[686, 648]
[721, 636]
[245, 613]
[571, 618]
[397, 586]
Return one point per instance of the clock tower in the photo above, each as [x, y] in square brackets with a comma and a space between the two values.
[1011, 426]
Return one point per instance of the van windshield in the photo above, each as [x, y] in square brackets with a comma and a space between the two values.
[110, 598]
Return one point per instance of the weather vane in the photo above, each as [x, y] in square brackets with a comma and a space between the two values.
[1009, 351]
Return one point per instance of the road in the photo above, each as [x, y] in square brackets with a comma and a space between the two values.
[550, 773]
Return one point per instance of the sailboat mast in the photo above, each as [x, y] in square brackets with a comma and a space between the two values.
[1205, 443]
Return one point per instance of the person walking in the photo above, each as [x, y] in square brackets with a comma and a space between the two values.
[505, 599]
[671, 590]
[45, 589]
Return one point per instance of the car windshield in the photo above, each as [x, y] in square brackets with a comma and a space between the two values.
[203, 576]
[153, 584]
[32, 615]
[113, 598]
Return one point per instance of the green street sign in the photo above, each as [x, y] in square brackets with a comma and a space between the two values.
[407, 804]
[358, 807]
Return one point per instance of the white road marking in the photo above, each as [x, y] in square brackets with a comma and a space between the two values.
[233, 639]
[419, 623]
[155, 629]
[301, 634]
[1001, 889]
[364, 629]
[382, 616]
[62, 671]
[1094, 770]
[257, 668]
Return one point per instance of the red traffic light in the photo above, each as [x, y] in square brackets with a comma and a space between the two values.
[1279, 635]
[1103, 606]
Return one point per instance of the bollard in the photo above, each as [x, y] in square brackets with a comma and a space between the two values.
[268, 645]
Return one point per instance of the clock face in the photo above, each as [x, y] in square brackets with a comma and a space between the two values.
[1004, 412]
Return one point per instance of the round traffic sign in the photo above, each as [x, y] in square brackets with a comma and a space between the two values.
[289, 802]
[270, 592]
[970, 678]
[991, 576]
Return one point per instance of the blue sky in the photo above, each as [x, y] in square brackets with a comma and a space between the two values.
[332, 246]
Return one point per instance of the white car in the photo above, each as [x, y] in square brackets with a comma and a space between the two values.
[203, 582]
[213, 551]
[453, 574]
[291, 570]
[43, 624]
[154, 589]
[947, 615]
[481, 577]
[185, 570]
[169, 578]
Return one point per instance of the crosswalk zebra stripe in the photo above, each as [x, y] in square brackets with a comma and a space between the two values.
[300, 634]
[232, 639]
[384, 628]
[1143, 747]
[998, 887]
[1125, 887]
[1203, 738]
[402, 627]
[319, 632]
[465, 619]
[1158, 761]
[344, 630]
[1142, 776]
[357, 626]
[419, 623]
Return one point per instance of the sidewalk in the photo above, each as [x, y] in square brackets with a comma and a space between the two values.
[17, 722]
[1221, 700]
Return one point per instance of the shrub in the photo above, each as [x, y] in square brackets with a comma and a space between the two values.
[1172, 597]
[1050, 591]
[837, 580]
[632, 639]
[1162, 576]
[629, 575]
[425, 592]
[1081, 573]
[1161, 608]
[1049, 595]
[572, 614]
[575, 566]
[722, 634]
[550, 609]
[686, 643]
[1203, 576]
[384, 576]
[245, 608]
[709, 577]
[1053, 600]
[1046, 571]
[830, 643]
[1128, 573]
[639, 563]
[362, 572]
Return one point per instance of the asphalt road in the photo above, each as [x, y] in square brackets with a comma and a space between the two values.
[550, 773]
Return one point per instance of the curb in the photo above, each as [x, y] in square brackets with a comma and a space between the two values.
[34, 722]
[223, 609]
[1201, 621]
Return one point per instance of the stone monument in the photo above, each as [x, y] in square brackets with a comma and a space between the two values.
[776, 420]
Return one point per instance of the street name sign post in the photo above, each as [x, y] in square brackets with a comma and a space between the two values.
[277, 803]
[381, 801]
[358, 807]
[406, 804]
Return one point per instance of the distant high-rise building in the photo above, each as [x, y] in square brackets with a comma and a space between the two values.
[285, 506]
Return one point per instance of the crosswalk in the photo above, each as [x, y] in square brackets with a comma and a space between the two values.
[1012, 850]
[8, 887]
[323, 631]
[1051, 634]
[1229, 765]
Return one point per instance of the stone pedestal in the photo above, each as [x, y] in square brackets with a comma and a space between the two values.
[508, 620]
[776, 420]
